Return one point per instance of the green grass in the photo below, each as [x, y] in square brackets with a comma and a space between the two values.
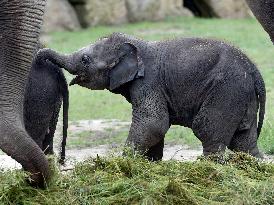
[92, 139]
[240, 179]
[179, 135]
[246, 34]
[87, 138]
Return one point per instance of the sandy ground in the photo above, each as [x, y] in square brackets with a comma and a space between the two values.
[176, 152]
[171, 152]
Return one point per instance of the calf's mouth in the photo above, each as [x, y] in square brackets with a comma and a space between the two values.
[79, 79]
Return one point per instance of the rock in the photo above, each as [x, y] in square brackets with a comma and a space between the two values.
[142, 10]
[109, 12]
[98, 12]
[154, 10]
[223, 8]
[59, 15]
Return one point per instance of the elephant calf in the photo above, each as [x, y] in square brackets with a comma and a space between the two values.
[206, 85]
[46, 89]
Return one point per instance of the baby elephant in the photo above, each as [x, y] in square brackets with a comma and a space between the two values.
[45, 91]
[206, 85]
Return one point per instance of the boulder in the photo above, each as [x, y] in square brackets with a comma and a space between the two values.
[154, 10]
[98, 12]
[59, 16]
[223, 8]
[144, 10]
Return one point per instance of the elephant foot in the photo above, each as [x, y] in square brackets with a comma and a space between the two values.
[215, 152]
[37, 180]
[155, 153]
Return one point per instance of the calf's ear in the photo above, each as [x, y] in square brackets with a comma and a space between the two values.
[129, 67]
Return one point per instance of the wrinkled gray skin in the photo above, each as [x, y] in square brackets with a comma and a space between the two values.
[206, 85]
[20, 22]
[46, 89]
[264, 12]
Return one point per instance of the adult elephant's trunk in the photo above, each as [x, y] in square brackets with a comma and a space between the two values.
[17, 144]
[264, 12]
[20, 22]
[63, 61]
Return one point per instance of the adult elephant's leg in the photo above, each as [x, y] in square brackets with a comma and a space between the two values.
[264, 12]
[150, 123]
[48, 142]
[20, 22]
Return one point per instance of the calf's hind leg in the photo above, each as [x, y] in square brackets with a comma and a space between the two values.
[218, 119]
[246, 136]
[246, 141]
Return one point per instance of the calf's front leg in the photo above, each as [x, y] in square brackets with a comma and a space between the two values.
[150, 123]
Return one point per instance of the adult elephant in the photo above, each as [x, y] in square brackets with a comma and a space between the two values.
[20, 22]
[264, 12]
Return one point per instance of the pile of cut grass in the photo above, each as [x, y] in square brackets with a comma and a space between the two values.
[240, 179]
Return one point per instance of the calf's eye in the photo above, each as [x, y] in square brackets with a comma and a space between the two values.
[86, 60]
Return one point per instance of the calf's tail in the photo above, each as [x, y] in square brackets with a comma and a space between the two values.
[65, 94]
[260, 92]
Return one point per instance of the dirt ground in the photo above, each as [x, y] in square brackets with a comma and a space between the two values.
[73, 155]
